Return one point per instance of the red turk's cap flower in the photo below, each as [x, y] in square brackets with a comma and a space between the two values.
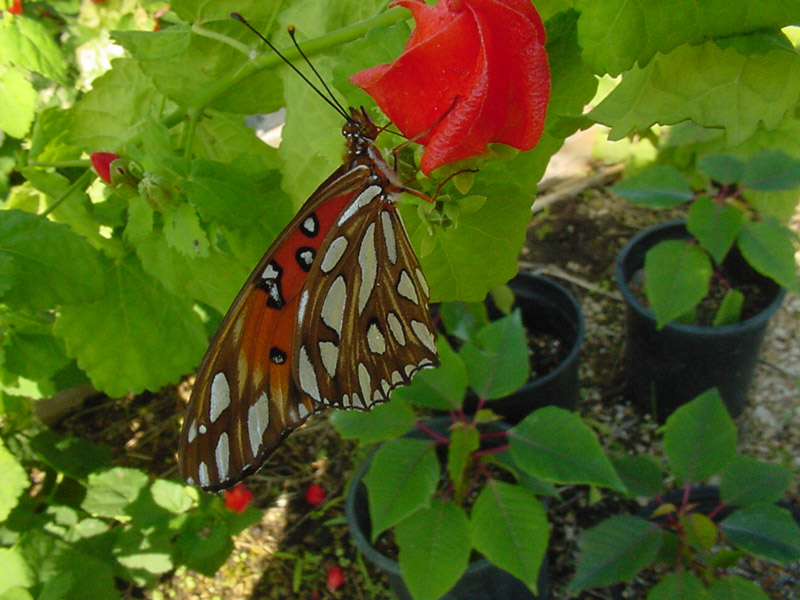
[335, 577]
[473, 72]
[16, 7]
[238, 498]
[315, 494]
[101, 161]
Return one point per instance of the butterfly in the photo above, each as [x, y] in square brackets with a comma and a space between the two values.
[334, 315]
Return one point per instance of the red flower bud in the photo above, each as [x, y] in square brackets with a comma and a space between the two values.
[101, 161]
[16, 7]
[473, 72]
[238, 498]
[315, 494]
[335, 577]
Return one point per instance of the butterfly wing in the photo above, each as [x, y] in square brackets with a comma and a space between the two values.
[363, 325]
[245, 400]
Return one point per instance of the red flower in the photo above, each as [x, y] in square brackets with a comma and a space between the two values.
[315, 494]
[238, 498]
[335, 577]
[16, 7]
[101, 161]
[473, 72]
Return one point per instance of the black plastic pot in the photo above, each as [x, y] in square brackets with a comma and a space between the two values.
[546, 307]
[481, 581]
[668, 367]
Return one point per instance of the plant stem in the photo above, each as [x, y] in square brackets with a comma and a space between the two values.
[79, 183]
[434, 434]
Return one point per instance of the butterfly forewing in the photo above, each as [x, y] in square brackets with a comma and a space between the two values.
[363, 323]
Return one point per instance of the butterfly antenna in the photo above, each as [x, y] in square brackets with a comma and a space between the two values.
[311, 66]
[333, 103]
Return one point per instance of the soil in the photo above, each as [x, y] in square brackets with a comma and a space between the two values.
[286, 555]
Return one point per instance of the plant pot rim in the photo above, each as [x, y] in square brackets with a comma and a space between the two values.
[707, 330]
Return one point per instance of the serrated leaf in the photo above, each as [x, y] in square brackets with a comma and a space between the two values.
[554, 444]
[203, 544]
[174, 497]
[716, 226]
[711, 86]
[442, 388]
[401, 479]
[771, 171]
[722, 168]
[509, 527]
[224, 138]
[764, 530]
[15, 571]
[434, 549]
[615, 550]
[147, 45]
[767, 246]
[26, 43]
[700, 438]
[36, 355]
[678, 586]
[75, 457]
[735, 588]
[384, 422]
[18, 99]
[183, 232]
[730, 309]
[656, 187]
[641, 474]
[676, 273]
[110, 492]
[156, 336]
[51, 264]
[496, 357]
[748, 481]
[15, 481]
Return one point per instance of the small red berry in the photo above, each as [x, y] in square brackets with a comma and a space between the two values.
[101, 161]
[315, 494]
[335, 577]
[238, 498]
[16, 7]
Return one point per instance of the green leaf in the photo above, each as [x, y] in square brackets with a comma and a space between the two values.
[767, 246]
[716, 226]
[496, 357]
[36, 355]
[463, 319]
[764, 530]
[736, 588]
[15, 481]
[384, 422]
[464, 440]
[615, 550]
[701, 532]
[748, 481]
[509, 527]
[676, 273]
[656, 187]
[555, 444]
[641, 474]
[156, 336]
[709, 85]
[147, 45]
[50, 264]
[182, 231]
[203, 544]
[401, 479]
[174, 497]
[434, 549]
[27, 44]
[682, 585]
[18, 99]
[442, 388]
[73, 456]
[117, 104]
[615, 35]
[730, 309]
[16, 593]
[723, 168]
[771, 171]
[15, 572]
[700, 438]
[110, 492]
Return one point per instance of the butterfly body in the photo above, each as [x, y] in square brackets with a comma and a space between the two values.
[334, 315]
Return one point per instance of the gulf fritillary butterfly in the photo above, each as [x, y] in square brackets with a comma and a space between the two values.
[335, 314]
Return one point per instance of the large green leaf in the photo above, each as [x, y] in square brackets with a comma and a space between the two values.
[384, 422]
[614, 35]
[27, 43]
[709, 85]
[682, 585]
[615, 550]
[748, 481]
[642, 474]
[401, 479]
[109, 493]
[15, 573]
[676, 273]
[15, 481]
[509, 527]
[18, 99]
[657, 187]
[554, 444]
[735, 587]
[72, 456]
[154, 335]
[771, 171]
[764, 530]
[767, 246]
[434, 549]
[715, 226]
[442, 388]
[700, 438]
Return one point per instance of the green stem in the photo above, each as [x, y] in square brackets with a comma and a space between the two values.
[203, 32]
[188, 132]
[78, 184]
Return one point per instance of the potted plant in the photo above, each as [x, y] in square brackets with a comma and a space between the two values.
[699, 294]
[695, 534]
[467, 487]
